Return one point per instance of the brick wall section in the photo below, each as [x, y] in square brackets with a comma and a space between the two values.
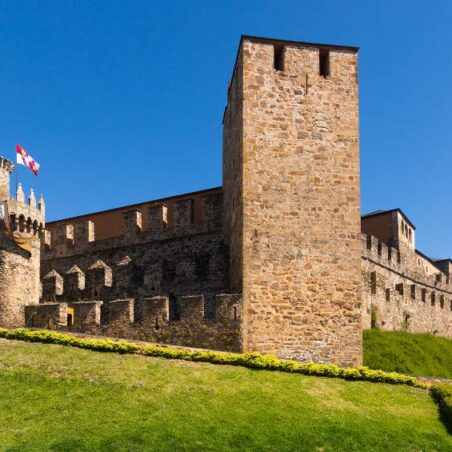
[300, 198]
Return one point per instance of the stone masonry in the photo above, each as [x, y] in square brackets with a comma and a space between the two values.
[21, 223]
[278, 260]
[295, 244]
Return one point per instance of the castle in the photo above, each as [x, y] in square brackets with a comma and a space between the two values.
[277, 260]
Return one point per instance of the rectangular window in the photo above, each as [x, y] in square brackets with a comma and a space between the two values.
[278, 57]
[324, 62]
[424, 295]
[388, 295]
[413, 292]
[373, 283]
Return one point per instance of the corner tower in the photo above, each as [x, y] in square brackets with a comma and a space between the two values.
[21, 224]
[292, 198]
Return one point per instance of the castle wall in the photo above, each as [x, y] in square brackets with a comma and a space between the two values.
[233, 175]
[172, 260]
[399, 295]
[21, 226]
[19, 276]
[109, 223]
[272, 262]
[300, 196]
[116, 319]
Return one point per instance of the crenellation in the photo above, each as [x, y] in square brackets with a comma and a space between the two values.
[184, 215]
[118, 313]
[133, 224]
[275, 261]
[228, 307]
[84, 234]
[98, 277]
[46, 315]
[192, 308]
[212, 212]
[63, 237]
[74, 282]
[32, 199]
[87, 315]
[20, 195]
[157, 218]
[155, 312]
[52, 285]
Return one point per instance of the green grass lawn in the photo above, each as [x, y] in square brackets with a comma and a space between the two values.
[416, 354]
[61, 398]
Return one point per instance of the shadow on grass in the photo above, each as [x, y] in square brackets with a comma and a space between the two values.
[445, 414]
[442, 399]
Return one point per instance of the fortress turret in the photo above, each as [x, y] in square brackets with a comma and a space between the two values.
[21, 225]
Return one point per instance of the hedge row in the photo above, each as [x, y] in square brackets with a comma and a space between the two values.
[250, 360]
[442, 394]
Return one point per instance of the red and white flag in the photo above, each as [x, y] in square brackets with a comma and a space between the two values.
[23, 158]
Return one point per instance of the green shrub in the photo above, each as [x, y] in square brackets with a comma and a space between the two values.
[250, 360]
[442, 394]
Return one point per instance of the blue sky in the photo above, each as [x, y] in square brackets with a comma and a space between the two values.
[121, 101]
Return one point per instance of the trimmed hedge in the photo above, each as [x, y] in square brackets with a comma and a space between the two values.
[442, 394]
[250, 360]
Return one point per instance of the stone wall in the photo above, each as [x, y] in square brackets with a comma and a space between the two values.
[21, 225]
[284, 233]
[116, 319]
[233, 175]
[397, 295]
[298, 155]
[165, 259]
[129, 273]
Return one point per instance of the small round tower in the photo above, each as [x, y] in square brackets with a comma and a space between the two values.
[21, 226]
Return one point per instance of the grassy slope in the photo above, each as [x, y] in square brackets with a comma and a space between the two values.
[416, 354]
[60, 398]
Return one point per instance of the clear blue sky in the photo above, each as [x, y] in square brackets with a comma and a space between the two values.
[121, 101]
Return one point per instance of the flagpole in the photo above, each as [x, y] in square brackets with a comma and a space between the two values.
[17, 184]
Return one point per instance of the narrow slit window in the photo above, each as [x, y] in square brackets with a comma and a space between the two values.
[424, 295]
[278, 57]
[324, 62]
[373, 283]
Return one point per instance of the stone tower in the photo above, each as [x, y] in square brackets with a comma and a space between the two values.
[21, 224]
[292, 198]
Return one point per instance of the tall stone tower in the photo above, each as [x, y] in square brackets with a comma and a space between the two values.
[21, 224]
[292, 198]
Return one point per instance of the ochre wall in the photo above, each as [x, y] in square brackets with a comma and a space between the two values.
[109, 223]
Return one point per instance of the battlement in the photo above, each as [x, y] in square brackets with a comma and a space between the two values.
[157, 221]
[155, 311]
[401, 263]
[118, 318]
[26, 216]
